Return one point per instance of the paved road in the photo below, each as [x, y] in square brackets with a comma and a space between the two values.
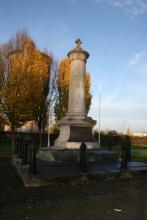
[126, 200]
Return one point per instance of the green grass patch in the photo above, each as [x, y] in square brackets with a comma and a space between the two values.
[139, 146]
[138, 153]
[5, 149]
[139, 159]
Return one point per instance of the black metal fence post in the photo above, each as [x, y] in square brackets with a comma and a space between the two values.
[20, 142]
[32, 160]
[126, 153]
[34, 169]
[82, 164]
[124, 161]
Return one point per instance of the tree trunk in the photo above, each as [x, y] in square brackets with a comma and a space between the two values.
[13, 140]
[40, 138]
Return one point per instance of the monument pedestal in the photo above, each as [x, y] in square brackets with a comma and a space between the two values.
[74, 131]
[57, 155]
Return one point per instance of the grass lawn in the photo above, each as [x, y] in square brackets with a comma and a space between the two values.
[5, 148]
[138, 153]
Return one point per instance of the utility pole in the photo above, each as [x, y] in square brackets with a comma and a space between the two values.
[99, 130]
[124, 126]
[48, 144]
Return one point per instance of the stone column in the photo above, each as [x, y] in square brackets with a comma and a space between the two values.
[76, 106]
[76, 127]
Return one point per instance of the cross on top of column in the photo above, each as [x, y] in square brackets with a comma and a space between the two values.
[78, 42]
[78, 49]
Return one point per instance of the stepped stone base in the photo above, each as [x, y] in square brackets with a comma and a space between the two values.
[72, 155]
[74, 131]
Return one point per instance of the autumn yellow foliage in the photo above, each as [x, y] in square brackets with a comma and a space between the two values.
[24, 84]
[29, 72]
[61, 106]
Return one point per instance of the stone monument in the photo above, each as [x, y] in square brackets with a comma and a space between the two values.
[76, 127]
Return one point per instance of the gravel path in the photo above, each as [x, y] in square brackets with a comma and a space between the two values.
[103, 200]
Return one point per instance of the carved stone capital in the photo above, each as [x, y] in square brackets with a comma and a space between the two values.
[78, 55]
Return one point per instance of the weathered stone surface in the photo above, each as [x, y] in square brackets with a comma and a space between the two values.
[72, 155]
[76, 127]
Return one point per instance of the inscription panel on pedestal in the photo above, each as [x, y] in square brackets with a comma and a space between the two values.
[81, 134]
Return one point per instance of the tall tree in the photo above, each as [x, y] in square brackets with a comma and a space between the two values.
[48, 91]
[10, 94]
[24, 80]
[61, 105]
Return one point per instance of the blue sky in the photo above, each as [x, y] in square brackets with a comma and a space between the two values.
[114, 32]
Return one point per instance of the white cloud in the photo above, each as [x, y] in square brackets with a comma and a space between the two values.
[135, 59]
[133, 7]
[139, 64]
[143, 70]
